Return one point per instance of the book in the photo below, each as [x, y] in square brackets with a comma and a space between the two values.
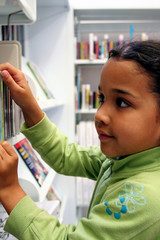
[53, 194]
[11, 114]
[31, 160]
[2, 110]
[39, 79]
[86, 134]
[91, 46]
[85, 95]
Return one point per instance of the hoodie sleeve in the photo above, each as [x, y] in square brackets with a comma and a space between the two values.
[64, 157]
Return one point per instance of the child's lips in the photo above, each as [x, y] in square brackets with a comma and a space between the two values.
[104, 136]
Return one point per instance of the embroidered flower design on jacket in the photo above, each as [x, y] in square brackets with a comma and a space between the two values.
[132, 196]
[126, 201]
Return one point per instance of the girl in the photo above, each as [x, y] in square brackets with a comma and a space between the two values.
[125, 203]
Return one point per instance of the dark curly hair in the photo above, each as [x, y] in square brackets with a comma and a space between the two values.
[147, 55]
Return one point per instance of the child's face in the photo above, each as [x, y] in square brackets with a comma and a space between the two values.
[127, 120]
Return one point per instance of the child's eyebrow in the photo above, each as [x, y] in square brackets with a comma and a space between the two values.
[120, 91]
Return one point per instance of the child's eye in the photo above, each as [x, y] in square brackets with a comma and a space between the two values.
[122, 103]
[101, 98]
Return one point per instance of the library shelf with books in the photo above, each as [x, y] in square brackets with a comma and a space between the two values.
[34, 175]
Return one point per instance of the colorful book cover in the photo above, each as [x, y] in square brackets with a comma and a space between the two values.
[53, 195]
[30, 158]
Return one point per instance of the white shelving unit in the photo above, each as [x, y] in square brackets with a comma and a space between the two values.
[80, 62]
[49, 104]
[26, 11]
[26, 179]
[85, 111]
[49, 44]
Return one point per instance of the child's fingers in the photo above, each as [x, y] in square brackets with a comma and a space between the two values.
[3, 154]
[7, 149]
[10, 83]
[10, 68]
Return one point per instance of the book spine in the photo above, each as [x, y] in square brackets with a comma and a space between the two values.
[91, 46]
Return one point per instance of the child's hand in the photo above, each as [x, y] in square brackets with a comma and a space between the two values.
[21, 93]
[10, 191]
[16, 82]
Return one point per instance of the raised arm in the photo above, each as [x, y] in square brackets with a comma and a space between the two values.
[21, 93]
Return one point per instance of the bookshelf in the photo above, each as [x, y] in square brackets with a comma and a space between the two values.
[11, 52]
[54, 27]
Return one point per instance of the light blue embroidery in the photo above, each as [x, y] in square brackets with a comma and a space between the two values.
[132, 196]
[127, 200]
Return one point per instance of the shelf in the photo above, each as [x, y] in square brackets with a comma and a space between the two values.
[27, 16]
[117, 20]
[86, 111]
[26, 179]
[63, 209]
[49, 104]
[90, 62]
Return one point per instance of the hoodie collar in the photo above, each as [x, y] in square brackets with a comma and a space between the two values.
[148, 160]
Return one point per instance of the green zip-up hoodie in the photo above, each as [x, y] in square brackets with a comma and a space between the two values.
[125, 203]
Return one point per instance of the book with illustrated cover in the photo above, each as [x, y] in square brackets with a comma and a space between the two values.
[53, 195]
[39, 79]
[32, 161]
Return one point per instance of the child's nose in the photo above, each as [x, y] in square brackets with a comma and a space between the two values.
[103, 115]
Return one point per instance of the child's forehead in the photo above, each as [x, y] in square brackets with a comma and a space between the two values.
[123, 65]
[123, 74]
[123, 69]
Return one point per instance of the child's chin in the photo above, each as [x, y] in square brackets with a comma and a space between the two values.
[109, 153]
